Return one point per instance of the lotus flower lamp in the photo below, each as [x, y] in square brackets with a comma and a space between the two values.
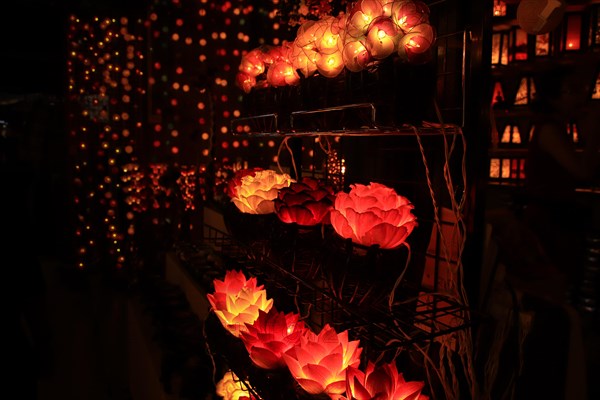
[237, 301]
[319, 362]
[373, 215]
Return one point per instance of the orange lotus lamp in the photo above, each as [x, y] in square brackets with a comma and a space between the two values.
[383, 382]
[319, 362]
[271, 335]
[230, 387]
[254, 192]
[237, 301]
[373, 215]
[236, 181]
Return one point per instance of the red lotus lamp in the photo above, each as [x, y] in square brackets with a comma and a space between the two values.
[306, 203]
[383, 382]
[271, 335]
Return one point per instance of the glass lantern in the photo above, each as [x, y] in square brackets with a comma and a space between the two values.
[519, 45]
[500, 47]
[571, 40]
[499, 9]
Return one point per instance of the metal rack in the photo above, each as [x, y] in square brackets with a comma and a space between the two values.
[358, 119]
[417, 316]
[371, 123]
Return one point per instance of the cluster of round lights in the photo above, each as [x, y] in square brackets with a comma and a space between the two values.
[369, 32]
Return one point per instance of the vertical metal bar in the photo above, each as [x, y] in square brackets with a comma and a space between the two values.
[464, 77]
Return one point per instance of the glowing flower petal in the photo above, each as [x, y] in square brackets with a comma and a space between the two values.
[319, 362]
[254, 192]
[230, 387]
[305, 203]
[373, 215]
[382, 382]
[237, 301]
[271, 335]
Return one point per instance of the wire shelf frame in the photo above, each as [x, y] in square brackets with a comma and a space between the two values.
[417, 317]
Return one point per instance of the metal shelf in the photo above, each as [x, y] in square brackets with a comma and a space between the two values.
[418, 316]
[358, 119]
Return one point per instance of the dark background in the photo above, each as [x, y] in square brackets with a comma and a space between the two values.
[33, 41]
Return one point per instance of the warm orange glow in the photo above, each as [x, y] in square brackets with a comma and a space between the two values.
[499, 8]
[361, 15]
[236, 301]
[498, 95]
[319, 362]
[382, 38]
[252, 63]
[271, 335]
[373, 215]
[102, 72]
[304, 60]
[255, 192]
[408, 14]
[573, 34]
[230, 387]
[373, 28]
[383, 382]
[326, 37]
[355, 56]
[330, 65]
[414, 45]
